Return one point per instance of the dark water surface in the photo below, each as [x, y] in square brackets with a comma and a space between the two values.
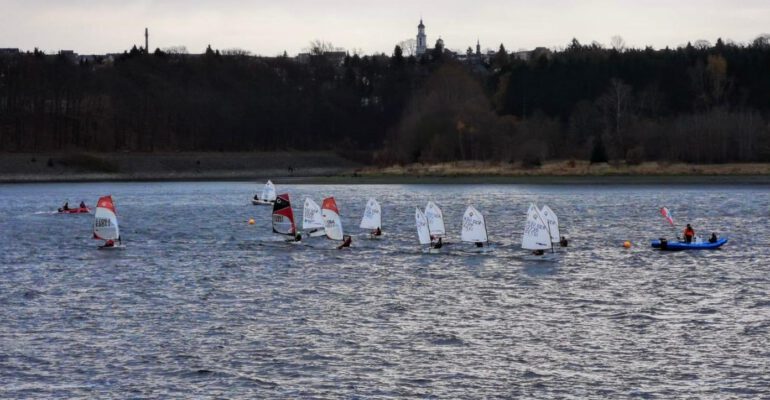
[201, 304]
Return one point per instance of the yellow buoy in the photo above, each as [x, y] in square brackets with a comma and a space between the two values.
[627, 244]
[251, 221]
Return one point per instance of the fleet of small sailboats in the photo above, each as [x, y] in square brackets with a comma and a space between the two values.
[541, 228]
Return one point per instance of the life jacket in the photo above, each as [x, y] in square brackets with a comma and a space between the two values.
[689, 232]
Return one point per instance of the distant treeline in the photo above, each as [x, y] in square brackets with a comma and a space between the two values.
[704, 104]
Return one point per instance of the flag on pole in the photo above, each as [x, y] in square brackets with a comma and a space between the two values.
[667, 215]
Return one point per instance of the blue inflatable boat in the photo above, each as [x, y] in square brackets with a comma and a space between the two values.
[663, 244]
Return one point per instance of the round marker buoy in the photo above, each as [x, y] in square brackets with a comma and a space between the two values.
[627, 244]
[251, 221]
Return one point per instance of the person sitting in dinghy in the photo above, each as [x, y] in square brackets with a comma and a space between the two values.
[563, 242]
[438, 244]
[109, 243]
[377, 232]
[66, 206]
[713, 238]
[689, 234]
[345, 242]
[298, 237]
[479, 244]
[82, 204]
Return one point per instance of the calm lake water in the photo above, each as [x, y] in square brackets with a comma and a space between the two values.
[201, 304]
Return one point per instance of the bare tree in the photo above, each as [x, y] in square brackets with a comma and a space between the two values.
[408, 46]
[618, 43]
[319, 47]
[175, 50]
[616, 104]
[702, 44]
[762, 40]
[235, 51]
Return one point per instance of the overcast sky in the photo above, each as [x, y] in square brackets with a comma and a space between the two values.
[270, 27]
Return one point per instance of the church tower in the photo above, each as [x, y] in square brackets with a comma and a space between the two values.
[422, 41]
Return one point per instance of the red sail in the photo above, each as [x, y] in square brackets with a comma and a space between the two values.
[283, 216]
[330, 204]
[106, 202]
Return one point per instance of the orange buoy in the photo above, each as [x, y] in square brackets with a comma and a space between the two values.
[251, 221]
[627, 244]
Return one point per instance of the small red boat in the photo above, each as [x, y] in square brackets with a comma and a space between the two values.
[79, 210]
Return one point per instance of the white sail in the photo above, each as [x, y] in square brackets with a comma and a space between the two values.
[106, 221]
[331, 217]
[474, 227]
[268, 192]
[535, 235]
[435, 219]
[372, 218]
[423, 232]
[553, 223]
[311, 215]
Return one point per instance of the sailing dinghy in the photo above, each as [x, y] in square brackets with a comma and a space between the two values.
[423, 231]
[435, 220]
[106, 224]
[267, 197]
[283, 218]
[536, 236]
[331, 218]
[553, 226]
[474, 229]
[372, 219]
[312, 220]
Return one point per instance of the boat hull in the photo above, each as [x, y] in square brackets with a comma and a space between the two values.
[679, 246]
[84, 210]
[262, 203]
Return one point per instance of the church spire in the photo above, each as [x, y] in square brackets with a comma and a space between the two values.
[422, 39]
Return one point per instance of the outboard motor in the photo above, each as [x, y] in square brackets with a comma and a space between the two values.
[663, 243]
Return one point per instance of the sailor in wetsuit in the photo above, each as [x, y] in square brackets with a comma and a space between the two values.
[345, 242]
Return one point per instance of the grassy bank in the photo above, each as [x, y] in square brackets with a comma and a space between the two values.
[565, 169]
[321, 167]
[63, 167]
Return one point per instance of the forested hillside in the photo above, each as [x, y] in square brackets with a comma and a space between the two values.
[704, 104]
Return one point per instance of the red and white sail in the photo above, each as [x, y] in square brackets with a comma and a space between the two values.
[106, 220]
[332, 221]
[283, 216]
